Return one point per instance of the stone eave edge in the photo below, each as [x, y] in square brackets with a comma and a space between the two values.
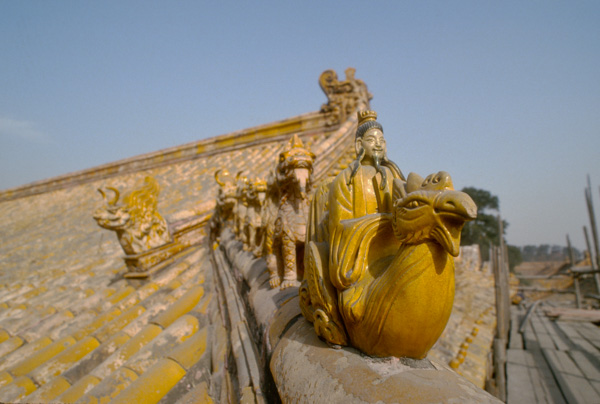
[292, 360]
[278, 130]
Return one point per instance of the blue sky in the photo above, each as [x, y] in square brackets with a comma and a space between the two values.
[503, 95]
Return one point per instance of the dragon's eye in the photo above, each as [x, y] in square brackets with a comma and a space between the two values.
[413, 204]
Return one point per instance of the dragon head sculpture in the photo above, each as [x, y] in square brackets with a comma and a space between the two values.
[136, 220]
[431, 210]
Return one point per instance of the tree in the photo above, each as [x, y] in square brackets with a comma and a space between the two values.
[514, 257]
[484, 230]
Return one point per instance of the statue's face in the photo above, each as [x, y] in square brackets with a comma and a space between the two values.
[373, 143]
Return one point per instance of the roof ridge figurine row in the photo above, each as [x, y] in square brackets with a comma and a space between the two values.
[371, 250]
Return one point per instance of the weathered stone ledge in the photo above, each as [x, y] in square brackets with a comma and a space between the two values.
[306, 369]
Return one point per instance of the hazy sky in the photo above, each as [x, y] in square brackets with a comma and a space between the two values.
[503, 95]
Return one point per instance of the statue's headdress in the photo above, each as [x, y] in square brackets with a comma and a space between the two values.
[367, 120]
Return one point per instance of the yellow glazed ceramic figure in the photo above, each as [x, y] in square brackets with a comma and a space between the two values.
[294, 175]
[136, 220]
[224, 205]
[379, 272]
[343, 97]
[253, 228]
[241, 204]
[268, 215]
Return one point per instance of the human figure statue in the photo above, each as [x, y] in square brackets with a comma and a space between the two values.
[365, 186]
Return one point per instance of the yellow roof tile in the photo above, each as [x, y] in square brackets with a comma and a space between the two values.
[98, 322]
[10, 345]
[49, 391]
[182, 329]
[23, 352]
[180, 307]
[127, 350]
[153, 384]
[77, 390]
[18, 389]
[120, 295]
[190, 351]
[40, 357]
[63, 361]
[118, 323]
[110, 387]
[5, 378]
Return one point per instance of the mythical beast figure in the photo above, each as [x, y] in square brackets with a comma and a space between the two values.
[253, 228]
[136, 220]
[223, 216]
[294, 171]
[268, 215]
[379, 272]
[241, 204]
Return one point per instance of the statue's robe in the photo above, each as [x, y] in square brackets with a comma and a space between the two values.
[361, 233]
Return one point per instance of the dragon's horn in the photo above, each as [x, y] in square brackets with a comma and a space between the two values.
[102, 193]
[116, 197]
[221, 183]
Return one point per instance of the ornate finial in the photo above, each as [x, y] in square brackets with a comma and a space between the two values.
[366, 116]
[295, 142]
[344, 97]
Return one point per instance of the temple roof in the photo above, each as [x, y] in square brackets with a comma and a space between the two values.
[73, 328]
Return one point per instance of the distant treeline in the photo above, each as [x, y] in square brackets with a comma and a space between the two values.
[546, 252]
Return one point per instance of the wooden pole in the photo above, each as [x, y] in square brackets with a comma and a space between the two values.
[592, 263]
[504, 284]
[500, 367]
[500, 286]
[590, 206]
[578, 302]
[501, 331]
[530, 310]
[499, 262]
